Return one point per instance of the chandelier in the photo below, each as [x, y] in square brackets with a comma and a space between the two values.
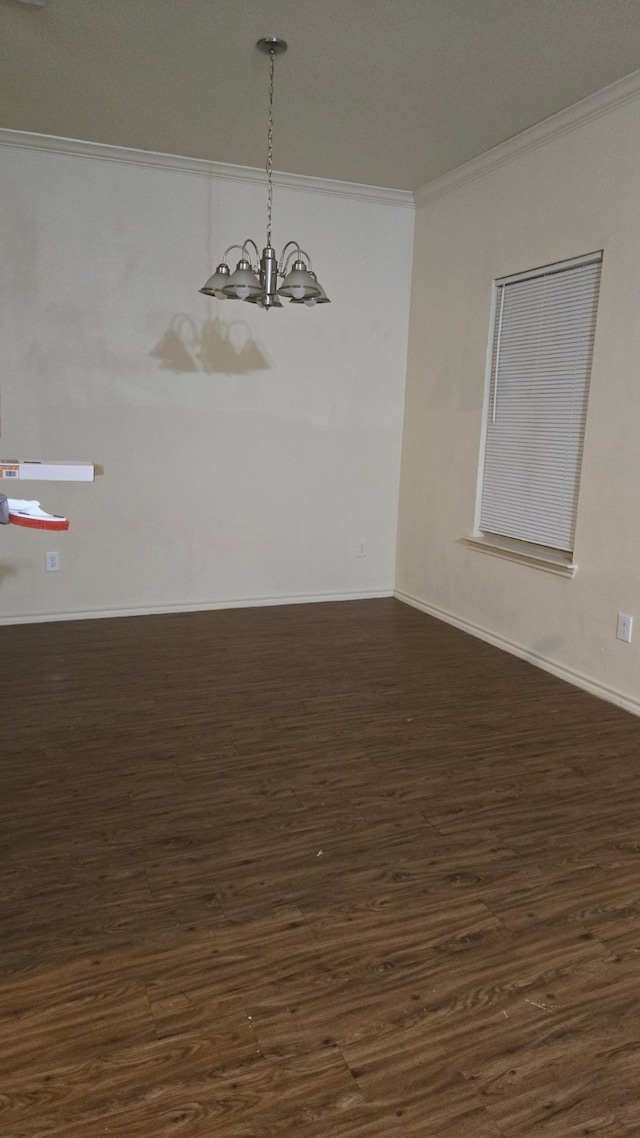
[256, 275]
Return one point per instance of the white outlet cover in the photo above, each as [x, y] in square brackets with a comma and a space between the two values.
[625, 627]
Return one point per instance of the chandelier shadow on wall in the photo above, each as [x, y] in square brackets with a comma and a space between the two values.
[256, 276]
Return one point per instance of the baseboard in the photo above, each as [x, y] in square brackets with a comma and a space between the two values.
[195, 606]
[578, 679]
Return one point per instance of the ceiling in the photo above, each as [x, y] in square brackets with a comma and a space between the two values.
[384, 92]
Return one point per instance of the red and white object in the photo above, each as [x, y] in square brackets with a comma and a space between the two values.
[30, 514]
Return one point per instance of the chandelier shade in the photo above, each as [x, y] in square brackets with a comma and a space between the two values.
[263, 278]
[216, 283]
[321, 298]
[243, 283]
[298, 283]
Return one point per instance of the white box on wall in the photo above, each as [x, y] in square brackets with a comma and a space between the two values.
[48, 471]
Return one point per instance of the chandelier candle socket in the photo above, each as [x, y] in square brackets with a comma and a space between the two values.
[256, 280]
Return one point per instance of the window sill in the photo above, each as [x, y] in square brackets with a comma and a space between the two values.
[537, 556]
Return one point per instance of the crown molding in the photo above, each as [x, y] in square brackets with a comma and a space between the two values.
[78, 148]
[616, 95]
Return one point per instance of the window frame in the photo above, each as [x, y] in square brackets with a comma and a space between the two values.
[515, 548]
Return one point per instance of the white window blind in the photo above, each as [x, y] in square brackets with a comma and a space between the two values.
[540, 366]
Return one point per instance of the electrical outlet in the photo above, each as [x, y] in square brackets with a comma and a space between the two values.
[625, 627]
[52, 562]
[362, 549]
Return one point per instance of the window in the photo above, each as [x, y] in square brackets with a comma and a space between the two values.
[541, 351]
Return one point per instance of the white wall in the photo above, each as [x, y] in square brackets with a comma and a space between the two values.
[537, 202]
[251, 478]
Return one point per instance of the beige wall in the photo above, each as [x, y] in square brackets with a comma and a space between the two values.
[575, 192]
[251, 477]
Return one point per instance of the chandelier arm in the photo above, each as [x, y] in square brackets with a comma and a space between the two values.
[227, 251]
[285, 262]
[250, 241]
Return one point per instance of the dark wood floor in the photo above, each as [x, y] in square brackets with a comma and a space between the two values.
[327, 871]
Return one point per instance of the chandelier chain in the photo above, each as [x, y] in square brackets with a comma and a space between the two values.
[270, 150]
